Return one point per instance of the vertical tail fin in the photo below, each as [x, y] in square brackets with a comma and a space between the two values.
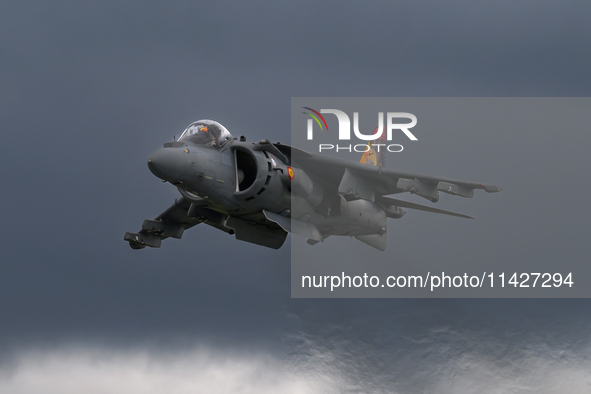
[374, 155]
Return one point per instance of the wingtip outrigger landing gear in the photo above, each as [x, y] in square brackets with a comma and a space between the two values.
[140, 241]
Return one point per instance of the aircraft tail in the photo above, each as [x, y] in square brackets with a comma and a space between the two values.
[375, 155]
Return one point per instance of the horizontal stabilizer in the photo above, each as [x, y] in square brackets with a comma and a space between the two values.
[410, 205]
[492, 188]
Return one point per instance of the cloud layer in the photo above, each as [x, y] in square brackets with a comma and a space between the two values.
[443, 367]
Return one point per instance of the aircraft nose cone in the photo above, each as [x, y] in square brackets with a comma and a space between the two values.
[168, 164]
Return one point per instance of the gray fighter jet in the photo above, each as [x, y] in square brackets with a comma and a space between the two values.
[261, 191]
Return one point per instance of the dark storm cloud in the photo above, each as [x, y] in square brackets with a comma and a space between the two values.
[90, 89]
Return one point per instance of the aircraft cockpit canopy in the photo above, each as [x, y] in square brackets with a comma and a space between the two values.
[206, 133]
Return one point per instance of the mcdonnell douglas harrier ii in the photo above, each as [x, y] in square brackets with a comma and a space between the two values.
[261, 191]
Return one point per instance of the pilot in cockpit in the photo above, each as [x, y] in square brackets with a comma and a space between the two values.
[206, 133]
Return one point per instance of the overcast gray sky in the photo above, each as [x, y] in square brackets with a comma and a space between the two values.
[90, 89]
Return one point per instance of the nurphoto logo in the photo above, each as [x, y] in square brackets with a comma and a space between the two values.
[345, 130]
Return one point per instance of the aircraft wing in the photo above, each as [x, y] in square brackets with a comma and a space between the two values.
[170, 223]
[183, 215]
[357, 180]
